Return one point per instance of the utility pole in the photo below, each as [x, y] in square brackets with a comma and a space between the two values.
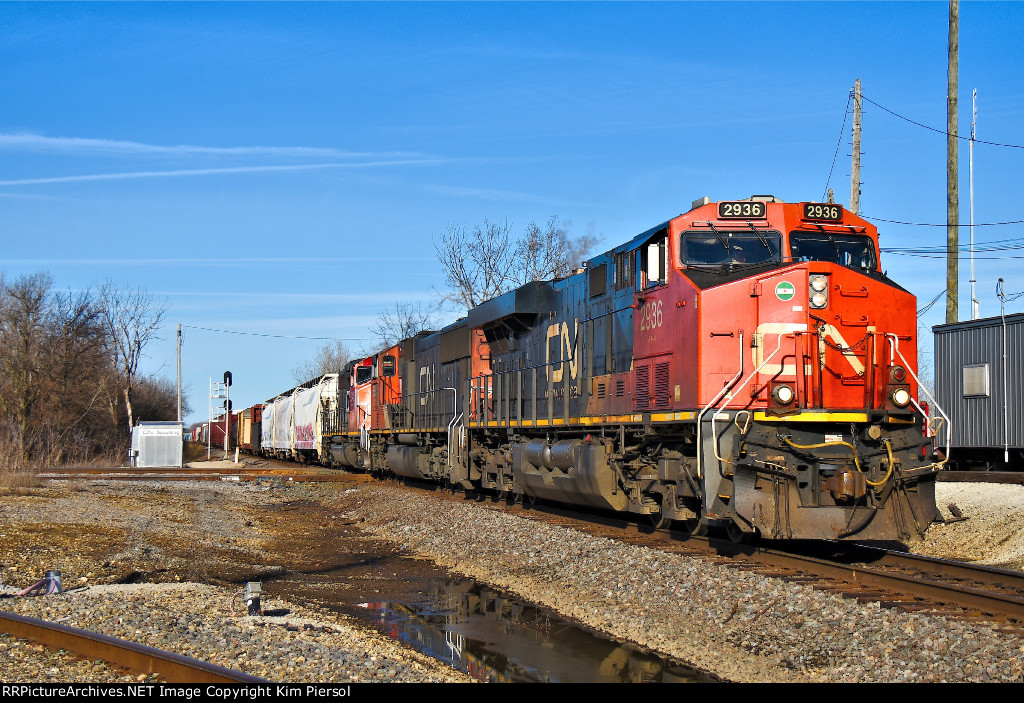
[855, 170]
[179, 372]
[952, 172]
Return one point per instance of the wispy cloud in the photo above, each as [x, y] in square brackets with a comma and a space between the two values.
[113, 147]
[218, 171]
[304, 261]
[491, 194]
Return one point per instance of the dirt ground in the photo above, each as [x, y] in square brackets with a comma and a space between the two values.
[103, 532]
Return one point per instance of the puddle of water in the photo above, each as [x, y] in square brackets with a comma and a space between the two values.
[495, 637]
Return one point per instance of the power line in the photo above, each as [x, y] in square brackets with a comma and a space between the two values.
[940, 131]
[930, 303]
[942, 224]
[998, 245]
[842, 131]
[943, 256]
[280, 336]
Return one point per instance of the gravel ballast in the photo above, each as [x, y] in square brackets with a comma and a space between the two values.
[736, 625]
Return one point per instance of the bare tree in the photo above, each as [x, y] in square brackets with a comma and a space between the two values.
[486, 261]
[331, 357]
[24, 323]
[156, 398]
[403, 320]
[80, 369]
[131, 319]
[478, 264]
[549, 253]
[53, 372]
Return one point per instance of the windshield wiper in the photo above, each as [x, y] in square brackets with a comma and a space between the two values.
[835, 245]
[764, 240]
[721, 240]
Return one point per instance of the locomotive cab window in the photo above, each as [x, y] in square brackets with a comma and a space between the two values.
[652, 263]
[852, 250]
[363, 374]
[718, 248]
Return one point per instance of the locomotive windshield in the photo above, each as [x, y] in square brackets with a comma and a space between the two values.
[363, 374]
[719, 248]
[853, 250]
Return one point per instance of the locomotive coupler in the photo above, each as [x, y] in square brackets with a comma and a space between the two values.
[846, 485]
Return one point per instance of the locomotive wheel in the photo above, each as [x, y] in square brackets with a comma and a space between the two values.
[691, 526]
[739, 536]
[658, 520]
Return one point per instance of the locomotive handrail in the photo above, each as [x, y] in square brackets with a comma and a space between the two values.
[455, 392]
[487, 381]
[454, 427]
[726, 388]
[754, 373]
[894, 347]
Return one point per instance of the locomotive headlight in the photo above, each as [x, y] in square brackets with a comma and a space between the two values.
[819, 290]
[901, 397]
[783, 394]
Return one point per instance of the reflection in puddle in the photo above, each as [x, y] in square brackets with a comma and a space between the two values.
[497, 638]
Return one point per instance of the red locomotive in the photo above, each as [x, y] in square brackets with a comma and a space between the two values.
[746, 365]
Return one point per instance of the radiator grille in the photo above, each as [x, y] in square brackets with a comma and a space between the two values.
[643, 387]
[662, 394]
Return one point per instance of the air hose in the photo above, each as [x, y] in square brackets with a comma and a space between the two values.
[853, 450]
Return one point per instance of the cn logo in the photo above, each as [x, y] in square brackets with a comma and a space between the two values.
[568, 350]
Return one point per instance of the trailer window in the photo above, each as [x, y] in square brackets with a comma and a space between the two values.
[976, 381]
[853, 250]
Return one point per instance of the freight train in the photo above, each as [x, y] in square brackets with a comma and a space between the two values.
[745, 367]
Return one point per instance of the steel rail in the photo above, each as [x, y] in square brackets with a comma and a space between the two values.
[924, 585]
[930, 583]
[135, 657]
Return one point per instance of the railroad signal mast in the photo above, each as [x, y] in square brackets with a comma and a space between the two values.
[219, 400]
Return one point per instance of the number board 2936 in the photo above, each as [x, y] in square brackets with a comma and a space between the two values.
[828, 212]
[743, 210]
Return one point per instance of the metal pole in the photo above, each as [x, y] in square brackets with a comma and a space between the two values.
[1001, 292]
[179, 372]
[227, 417]
[975, 303]
[209, 422]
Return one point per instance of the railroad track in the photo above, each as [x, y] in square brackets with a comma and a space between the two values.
[900, 580]
[137, 658]
[894, 579]
[220, 473]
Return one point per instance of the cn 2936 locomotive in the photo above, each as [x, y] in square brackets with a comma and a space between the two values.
[746, 366]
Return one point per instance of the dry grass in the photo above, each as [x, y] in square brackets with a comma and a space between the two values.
[19, 481]
[195, 451]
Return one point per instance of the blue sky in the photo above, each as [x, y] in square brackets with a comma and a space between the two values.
[284, 168]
